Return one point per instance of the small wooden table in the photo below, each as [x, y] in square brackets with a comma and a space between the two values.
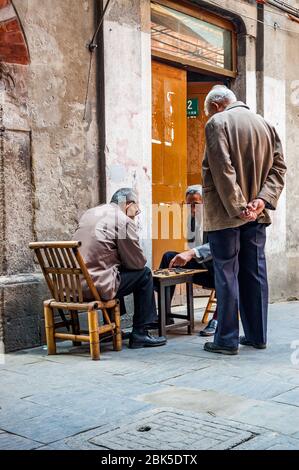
[172, 277]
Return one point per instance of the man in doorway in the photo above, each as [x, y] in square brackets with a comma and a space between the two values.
[114, 258]
[199, 254]
[243, 176]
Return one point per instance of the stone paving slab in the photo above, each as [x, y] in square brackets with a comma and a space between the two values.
[13, 412]
[191, 399]
[257, 386]
[277, 417]
[12, 441]
[171, 429]
[52, 425]
[65, 401]
[290, 398]
[270, 441]
[99, 400]
[79, 441]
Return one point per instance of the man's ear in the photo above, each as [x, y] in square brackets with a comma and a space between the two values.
[216, 107]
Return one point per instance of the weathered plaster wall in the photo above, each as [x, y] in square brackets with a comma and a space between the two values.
[292, 152]
[64, 146]
[51, 153]
[281, 108]
[128, 104]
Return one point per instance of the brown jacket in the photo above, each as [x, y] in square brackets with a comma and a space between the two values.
[109, 242]
[243, 161]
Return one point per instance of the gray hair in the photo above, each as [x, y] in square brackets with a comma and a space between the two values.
[124, 196]
[194, 189]
[219, 94]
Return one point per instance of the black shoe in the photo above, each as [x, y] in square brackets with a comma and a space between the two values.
[210, 329]
[245, 342]
[213, 348]
[145, 340]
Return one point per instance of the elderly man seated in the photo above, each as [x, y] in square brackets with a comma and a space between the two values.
[114, 258]
[199, 254]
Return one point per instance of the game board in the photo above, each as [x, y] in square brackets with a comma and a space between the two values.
[168, 272]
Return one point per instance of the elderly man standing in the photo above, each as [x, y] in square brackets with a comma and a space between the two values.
[116, 263]
[243, 176]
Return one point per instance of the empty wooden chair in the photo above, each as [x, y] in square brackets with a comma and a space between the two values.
[209, 308]
[64, 269]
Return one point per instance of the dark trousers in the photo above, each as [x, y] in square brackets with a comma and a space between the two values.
[202, 279]
[241, 283]
[140, 284]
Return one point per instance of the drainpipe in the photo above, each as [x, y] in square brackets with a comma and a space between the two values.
[100, 101]
[259, 57]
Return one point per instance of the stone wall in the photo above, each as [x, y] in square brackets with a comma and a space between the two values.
[50, 164]
[127, 64]
[281, 105]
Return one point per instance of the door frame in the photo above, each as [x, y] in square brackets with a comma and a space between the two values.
[204, 15]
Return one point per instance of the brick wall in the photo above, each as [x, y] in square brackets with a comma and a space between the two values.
[13, 47]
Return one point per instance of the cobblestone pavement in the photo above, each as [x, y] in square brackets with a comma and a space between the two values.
[174, 397]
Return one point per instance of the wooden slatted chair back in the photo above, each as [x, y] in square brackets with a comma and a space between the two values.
[63, 268]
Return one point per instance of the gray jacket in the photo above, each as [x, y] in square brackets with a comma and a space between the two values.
[109, 243]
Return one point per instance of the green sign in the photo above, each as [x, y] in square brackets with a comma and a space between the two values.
[192, 107]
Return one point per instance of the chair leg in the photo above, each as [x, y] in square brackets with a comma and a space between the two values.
[208, 310]
[75, 326]
[50, 329]
[93, 326]
[117, 337]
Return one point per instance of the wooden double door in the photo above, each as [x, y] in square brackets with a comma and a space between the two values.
[177, 150]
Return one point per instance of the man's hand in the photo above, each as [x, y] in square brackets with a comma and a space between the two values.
[253, 210]
[257, 205]
[248, 215]
[182, 258]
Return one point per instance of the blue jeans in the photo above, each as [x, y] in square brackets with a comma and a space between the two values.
[241, 283]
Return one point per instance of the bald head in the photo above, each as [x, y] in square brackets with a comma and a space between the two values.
[218, 99]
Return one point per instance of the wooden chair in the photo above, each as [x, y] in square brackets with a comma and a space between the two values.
[209, 308]
[64, 268]
[212, 300]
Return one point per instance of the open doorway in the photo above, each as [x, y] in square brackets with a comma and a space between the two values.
[198, 86]
[192, 50]
[178, 141]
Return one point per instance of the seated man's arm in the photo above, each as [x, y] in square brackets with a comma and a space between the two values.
[129, 249]
[203, 253]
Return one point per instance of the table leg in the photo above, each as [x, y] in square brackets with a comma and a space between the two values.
[161, 308]
[190, 307]
[168, 300]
